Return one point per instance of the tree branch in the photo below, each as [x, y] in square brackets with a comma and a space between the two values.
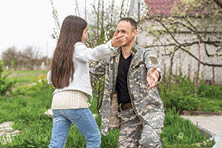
[218, 2]
[204, 63]
[167, 30]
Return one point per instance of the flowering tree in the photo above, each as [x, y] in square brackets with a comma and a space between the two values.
[201, 19]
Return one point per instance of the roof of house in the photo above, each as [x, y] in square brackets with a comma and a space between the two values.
[167, 7]
[160, 6]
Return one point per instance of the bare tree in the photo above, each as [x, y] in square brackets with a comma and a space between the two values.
[9, 57]
[77, 8]
[29, 58]
[56, 30]
[199, 19]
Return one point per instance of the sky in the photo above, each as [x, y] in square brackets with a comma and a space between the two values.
[27, 23]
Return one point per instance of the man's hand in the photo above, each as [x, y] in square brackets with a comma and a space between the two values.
[152, 77]
[118, 40]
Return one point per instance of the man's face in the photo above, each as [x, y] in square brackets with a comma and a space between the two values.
[124, 27]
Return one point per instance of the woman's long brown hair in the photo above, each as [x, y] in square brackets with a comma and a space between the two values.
[62, 69]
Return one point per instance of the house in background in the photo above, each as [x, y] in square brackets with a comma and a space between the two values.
[179, 32]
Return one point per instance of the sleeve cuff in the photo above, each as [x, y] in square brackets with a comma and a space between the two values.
[160, 74]
[110, 46]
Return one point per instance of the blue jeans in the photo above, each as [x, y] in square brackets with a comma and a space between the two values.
[83, 119]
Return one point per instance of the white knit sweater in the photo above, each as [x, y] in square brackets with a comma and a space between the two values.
[72, 99]
[63, 98]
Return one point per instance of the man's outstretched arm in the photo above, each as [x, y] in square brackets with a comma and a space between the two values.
[153, 69]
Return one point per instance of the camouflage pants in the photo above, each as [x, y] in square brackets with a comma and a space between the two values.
[135, 134]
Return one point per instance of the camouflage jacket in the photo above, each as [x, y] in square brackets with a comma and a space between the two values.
[146, 103]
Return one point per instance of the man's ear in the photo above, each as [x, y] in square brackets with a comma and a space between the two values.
[135, 32]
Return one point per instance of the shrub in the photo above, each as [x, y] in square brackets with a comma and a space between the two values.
[181, 95]
[40, 83]
[210, 91]
[196, 104]
[5, 84]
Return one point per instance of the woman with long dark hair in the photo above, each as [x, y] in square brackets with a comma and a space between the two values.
[69, 74]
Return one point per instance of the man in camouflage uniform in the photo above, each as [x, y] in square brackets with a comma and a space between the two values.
[130, 96]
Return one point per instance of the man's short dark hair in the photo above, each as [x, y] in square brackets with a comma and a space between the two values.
[132, 21]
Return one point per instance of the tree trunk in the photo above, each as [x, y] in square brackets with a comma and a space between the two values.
[171, 69]
[138, 10]
[213, 77]
[198, 71]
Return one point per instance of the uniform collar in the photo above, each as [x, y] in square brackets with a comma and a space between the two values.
[134, 49]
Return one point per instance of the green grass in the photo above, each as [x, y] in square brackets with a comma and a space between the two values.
[27, 105]
[25, 71]
[24, 77]
[28, 116]
[178, 131]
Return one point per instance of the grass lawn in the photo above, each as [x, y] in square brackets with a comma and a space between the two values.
[27, 106]
[28, 115]
[24, 77]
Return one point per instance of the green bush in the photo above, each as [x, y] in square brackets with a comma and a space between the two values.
[181, 95]
[191, 103]
[40, 83]
[5, 84]
[210, 91]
